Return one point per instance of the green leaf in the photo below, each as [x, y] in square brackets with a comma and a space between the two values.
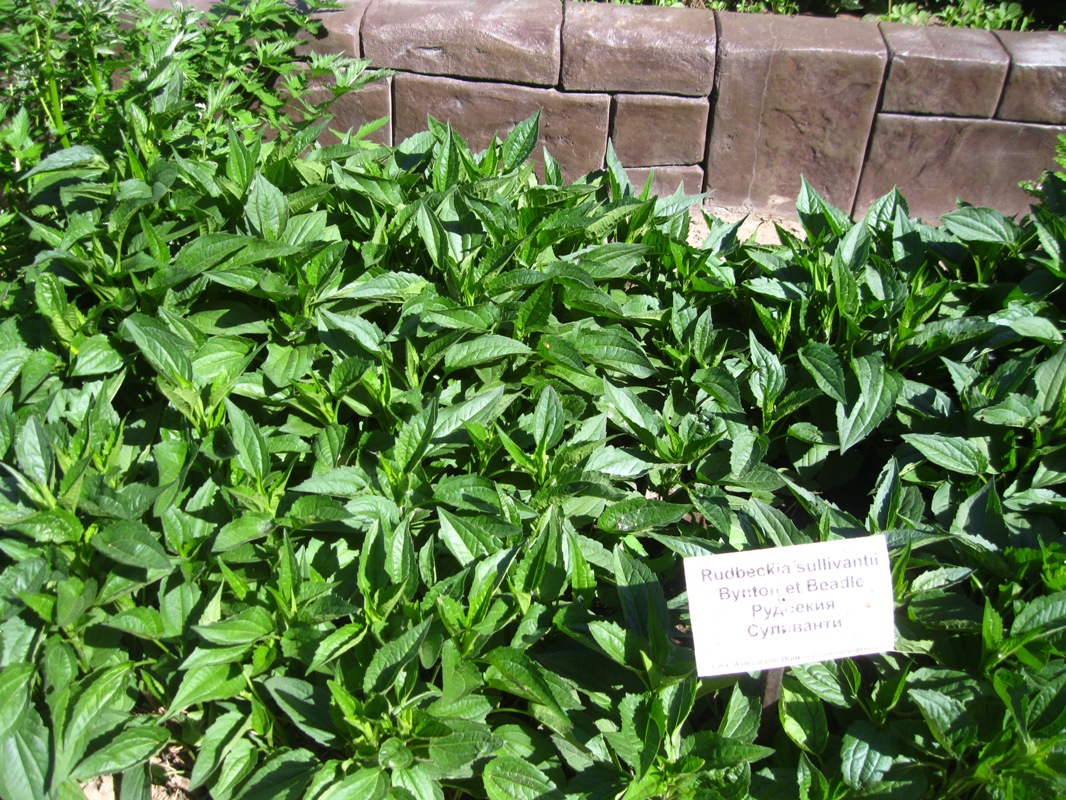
[15, 685]
[95, 356]
[282, 776]
[823, 364]
[641, 595]
[768, 378]
[509, 778]
[548, 420]
[803, 719]
[637, 514]
[823, 680]
[217, 740]
[244, 627]
[453, 754]
[878, 389]
[131, 747]
[950, 452]
[267, 210]
[33, 450]
[414, 438]
[307, 706]
[1046, 613]
[336, 482]
[447, 163]
[520, 142]
[865, 755]
[253, 453]
[519, 674]
[105, 690]
[393, 656]
[722, 752]
[167, 353]
[615, 350]
[368, 783]
[26, 757]
[1050, 378]
[980, 225]
[483, 350]
[946, 717]
[76, 157]
[133, 544]
[204, 684]
[468, 538]
[145, 623]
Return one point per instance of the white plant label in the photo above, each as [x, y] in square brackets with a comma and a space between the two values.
[760, 609]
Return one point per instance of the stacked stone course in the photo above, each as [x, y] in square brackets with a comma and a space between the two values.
[734, 105]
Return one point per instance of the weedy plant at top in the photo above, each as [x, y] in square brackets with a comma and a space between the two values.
[363, 471]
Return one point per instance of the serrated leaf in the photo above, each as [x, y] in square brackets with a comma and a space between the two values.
[823, 679]
[307, 706]
[520, 142]
[131, 747]
[26, 757]
[823, 364]
[95, 356]
[768, 377]
[1043, 613]
[282, 776]
[636, 514]
[393, 656]
[980, 225]
[950, 452]
[253, 453]
[803, 719]
[204, 684]
[483, 350]
[267, 210]
[524, 677]
[615, 350]
[167, 353]
[548, 420]
[878, 389]
[15, 684]
[368, 783]
[145, 623]
[244, 627]
[131, 543]
[219, 737]
[865, 755]
[104, 690]
[509, 778]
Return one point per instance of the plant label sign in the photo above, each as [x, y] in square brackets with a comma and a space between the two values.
[761, 609]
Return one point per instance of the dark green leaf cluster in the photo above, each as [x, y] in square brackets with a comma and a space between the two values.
[362, 471]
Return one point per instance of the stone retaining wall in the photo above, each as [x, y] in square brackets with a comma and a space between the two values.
[736, 105]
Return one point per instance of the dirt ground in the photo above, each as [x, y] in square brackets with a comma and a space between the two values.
[761, 226]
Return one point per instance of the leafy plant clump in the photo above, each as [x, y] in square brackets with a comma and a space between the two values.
[988, 14]
[363, 471]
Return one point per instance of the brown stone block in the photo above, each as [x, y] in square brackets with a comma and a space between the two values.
[665, 180]
[948, 72]
[500, 40]
[573, 127]
[1036, 86]
[612, 48]
[652, 130]
[340, 28]
[795, 96]
[935, 160]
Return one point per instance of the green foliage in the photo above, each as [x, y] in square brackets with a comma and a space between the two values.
[360, 471]
[988, 14]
